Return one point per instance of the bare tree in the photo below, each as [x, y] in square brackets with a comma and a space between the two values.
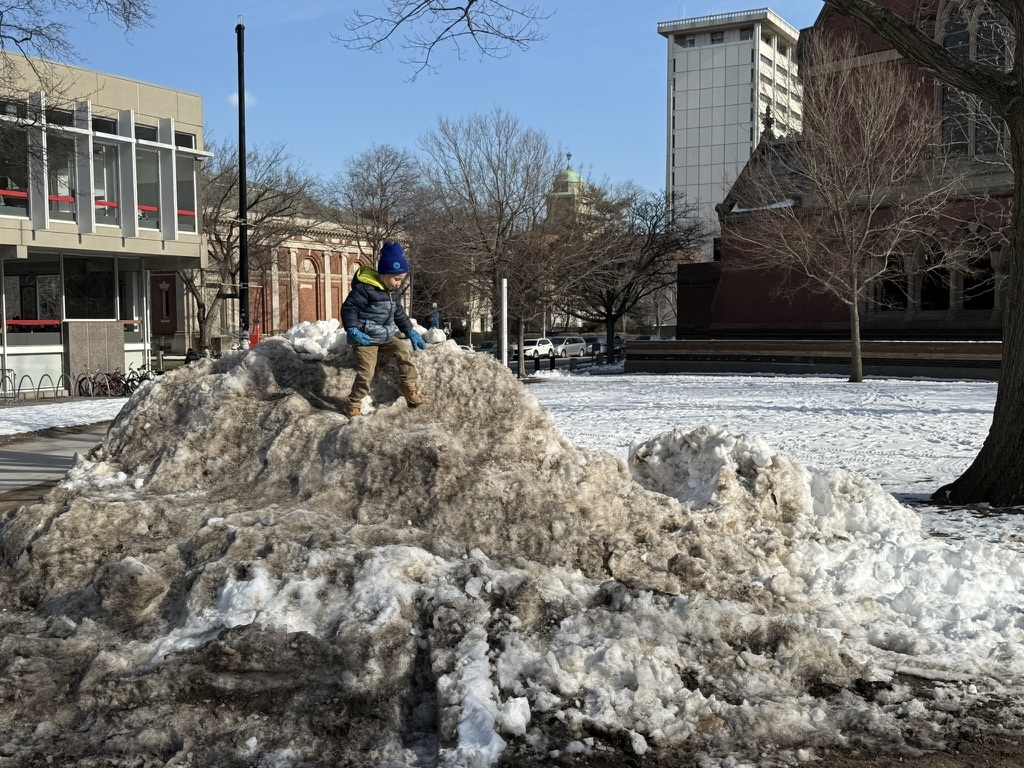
[487, 176]
[844, 206]
[490, 27]
[635, 241]
[375, 197]
[35, 40]
[40, 28]
[279, 204]
[997, 475]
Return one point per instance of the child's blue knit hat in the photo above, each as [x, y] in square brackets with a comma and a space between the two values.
[392, 260]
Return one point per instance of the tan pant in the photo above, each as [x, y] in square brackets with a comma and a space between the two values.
[366, 365]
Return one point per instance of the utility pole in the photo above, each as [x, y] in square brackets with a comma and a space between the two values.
[243, 222]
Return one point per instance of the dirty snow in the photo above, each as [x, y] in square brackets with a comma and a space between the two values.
[241, 575]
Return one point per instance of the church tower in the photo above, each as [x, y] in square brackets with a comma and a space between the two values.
[567, 198]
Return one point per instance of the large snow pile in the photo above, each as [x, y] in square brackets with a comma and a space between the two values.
[240, 575]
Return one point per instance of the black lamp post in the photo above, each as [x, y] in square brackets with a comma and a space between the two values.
[243, 224]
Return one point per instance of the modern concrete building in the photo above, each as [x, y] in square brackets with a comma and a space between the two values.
[724, 71]
[97, 192]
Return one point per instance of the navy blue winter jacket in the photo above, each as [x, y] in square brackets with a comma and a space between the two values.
[373, 309]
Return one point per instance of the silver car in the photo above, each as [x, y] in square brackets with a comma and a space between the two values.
[569, 346]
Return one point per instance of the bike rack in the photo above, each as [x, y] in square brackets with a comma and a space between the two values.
[39, 388]
[8, 385]
[21, 384]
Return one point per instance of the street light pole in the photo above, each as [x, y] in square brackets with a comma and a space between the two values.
[243, 223]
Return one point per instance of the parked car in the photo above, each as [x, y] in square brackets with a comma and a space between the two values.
[467, 349]
[570, 346]
[487, 346]
[596, 344]
[648, 338]
[536, 348]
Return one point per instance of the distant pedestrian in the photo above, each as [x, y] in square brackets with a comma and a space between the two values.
[191, 356]
[372, 316]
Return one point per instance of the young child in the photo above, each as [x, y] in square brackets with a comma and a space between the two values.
[372, 315]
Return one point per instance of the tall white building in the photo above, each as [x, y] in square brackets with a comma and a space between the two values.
[723, 71]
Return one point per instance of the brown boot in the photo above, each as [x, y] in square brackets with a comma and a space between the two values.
[354, 409]
[412, 397]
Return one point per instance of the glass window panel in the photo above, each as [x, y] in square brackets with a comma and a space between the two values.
[147, 166]
[32, 290]
[129, 295]
[104, 125]
[60, 175]
[955, 122]
[89, 288]
[145, 132]
[185, 170]
[13, 172]
[990, 44]
[956, 37]
[106, 195]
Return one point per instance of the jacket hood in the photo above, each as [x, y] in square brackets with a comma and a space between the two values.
[370, 277]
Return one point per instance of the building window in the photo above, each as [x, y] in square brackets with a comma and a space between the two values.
[185, 170]
[145, 132]
[62, 117]
[979, 285]
[13, 108]
[891, 294]
[13, 171]
[184, 140]
[717, 37]
[104, 125]
[747, 33]
[766, 61]
[89, 288]
[130, 295]
[687, 41]
[970, 127]
[105, 184]
[60, 177]
[32, 290]
[147, 167]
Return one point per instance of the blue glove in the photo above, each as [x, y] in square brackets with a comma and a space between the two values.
[416, 339]
[357, 338]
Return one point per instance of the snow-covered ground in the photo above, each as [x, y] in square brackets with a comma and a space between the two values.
[707, 569]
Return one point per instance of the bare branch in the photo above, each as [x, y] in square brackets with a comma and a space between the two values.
[491, 27]
[39, 27]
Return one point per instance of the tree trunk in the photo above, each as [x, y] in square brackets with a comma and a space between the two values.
[610, 336]
[856, 356]
[997, 474]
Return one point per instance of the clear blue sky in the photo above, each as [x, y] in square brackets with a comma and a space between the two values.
[596, 85]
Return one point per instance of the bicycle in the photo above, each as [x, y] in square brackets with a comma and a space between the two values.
[92, 384]
[136, 378]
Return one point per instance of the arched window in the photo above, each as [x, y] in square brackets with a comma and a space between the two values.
[934, 280]
[973, 31]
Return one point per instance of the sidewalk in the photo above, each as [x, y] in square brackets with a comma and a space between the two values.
[30, 467]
